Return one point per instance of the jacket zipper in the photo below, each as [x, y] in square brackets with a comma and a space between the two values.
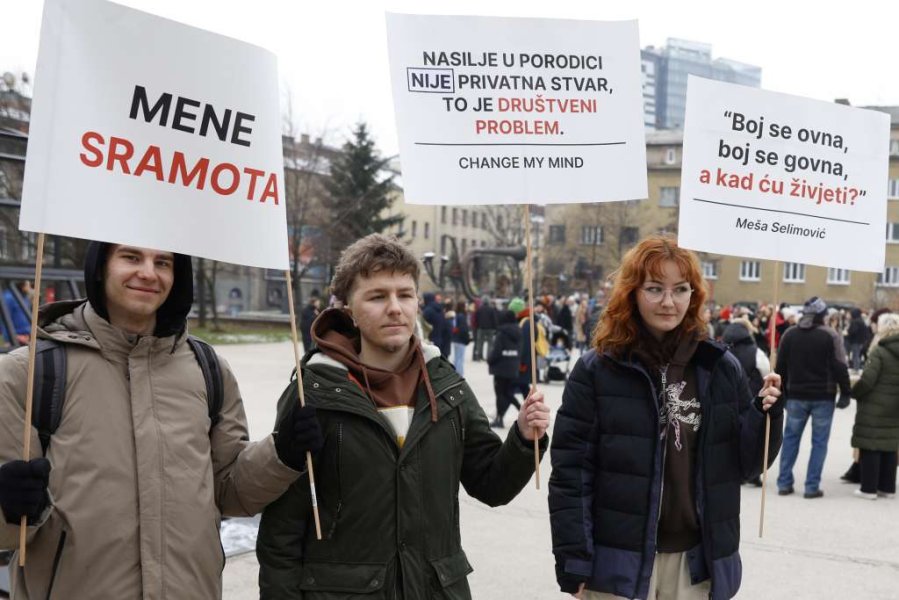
[333, 528]
[56, 559]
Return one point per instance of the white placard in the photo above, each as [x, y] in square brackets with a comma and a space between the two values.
[149, 132]
[498, 111]
[772, 176]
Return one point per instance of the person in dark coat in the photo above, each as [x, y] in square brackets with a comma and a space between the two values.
[307, 316]
[876, 429]
[486, 318]
[811, 359]
[655, 403]
[856, 338]
[433, 315]
[503, 361]
[400, 433]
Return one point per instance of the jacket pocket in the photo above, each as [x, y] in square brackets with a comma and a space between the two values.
[452, 574]
[321, 579]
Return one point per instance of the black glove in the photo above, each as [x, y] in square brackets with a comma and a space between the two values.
[298, 433]
[843, 402]
[23, 489]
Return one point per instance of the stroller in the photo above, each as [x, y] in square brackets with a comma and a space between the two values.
[559, 355]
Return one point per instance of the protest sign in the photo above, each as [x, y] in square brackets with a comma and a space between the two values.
[498, 111]
[772, 176]
[148, 132]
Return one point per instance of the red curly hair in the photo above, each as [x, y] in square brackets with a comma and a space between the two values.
[620, 328]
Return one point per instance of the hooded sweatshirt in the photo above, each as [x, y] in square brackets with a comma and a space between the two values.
[393, 393]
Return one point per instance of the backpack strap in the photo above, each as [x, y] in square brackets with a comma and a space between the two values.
[49, 389]
[212, 375]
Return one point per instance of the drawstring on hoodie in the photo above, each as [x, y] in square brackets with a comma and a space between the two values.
[432, 400]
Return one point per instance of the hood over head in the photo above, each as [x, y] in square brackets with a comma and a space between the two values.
[171, 318]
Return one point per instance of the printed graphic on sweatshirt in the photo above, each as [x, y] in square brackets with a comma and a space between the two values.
[676, 411]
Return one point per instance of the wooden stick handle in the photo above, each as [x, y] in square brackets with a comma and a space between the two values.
[29, 389]
[302, 398]
[533, 341]
[772, 323]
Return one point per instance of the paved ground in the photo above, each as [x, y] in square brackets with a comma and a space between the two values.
[834, 547]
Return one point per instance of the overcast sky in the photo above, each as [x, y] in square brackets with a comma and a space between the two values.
[333, 55]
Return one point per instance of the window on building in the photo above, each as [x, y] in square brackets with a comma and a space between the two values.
[794, 272]
[670, 156]
[889, 277]
[499, 222]
[464, 218]
[464, 245]
[894, 147]
[474, 219]
[427, 230]
[710, 269]
[556, 234]
[455, 216]
[629, 235]
[893, 191]
[4, 243]
[892, 233]
[669, 196]
[443, 215]
[4, 185]
[443, 246]
[750, 270]
[591, 235]
[484, 221]
[28, 242]
[483, 243]
[414, 228]
[838, 276]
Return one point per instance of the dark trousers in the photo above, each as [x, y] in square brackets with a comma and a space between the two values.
[505, 395]
[878, 471]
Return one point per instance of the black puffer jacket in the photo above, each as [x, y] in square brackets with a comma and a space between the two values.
[504, 355]
[605, 488]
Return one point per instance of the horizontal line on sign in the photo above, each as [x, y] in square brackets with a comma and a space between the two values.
[786, 212]
[516, 144]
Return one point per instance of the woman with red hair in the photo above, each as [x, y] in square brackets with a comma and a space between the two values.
[657, 429]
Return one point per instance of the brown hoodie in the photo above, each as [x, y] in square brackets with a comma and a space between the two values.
[334, 333]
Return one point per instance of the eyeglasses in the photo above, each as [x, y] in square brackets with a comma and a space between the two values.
[655, 293]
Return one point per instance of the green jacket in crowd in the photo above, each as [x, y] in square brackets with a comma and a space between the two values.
[877, 419]
[389, 515]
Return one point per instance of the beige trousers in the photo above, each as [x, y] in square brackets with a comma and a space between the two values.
[670, 581]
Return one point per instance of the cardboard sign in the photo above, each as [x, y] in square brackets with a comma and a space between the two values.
[773, 176]
[499, 111]
[152, 133]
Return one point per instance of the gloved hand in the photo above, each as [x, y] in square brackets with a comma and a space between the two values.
[298, 432]
[23, 489]
[843, 402]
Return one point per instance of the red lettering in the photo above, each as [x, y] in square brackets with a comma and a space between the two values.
[151, 161]
[271, 189]
[253, 173]
[120, 150]
[179, 167]
[86, 139]
[235, 179]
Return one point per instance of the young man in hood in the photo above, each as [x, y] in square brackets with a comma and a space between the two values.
[402, 430]
[141, 473]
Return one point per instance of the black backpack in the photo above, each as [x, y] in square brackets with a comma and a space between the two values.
[50, 384]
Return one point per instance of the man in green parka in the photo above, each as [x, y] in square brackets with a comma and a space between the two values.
[400, 430]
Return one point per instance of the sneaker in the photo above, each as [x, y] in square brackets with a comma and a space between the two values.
[864, 495]
[886, 495]
[785, 491]
[497, 423]
[812, 495]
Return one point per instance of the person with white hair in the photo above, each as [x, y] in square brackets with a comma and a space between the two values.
[876, 429]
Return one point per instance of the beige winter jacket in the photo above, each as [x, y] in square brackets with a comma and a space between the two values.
[139, 482]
